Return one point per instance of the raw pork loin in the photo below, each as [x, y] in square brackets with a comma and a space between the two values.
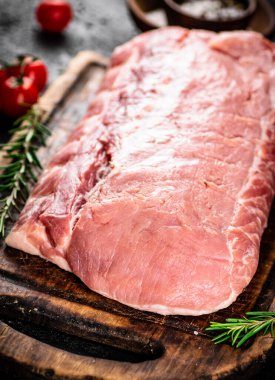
[160, 196]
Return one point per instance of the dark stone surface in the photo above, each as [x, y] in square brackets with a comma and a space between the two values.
[98, 25]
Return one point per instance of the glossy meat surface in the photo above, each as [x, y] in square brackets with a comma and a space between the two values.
[160, 196]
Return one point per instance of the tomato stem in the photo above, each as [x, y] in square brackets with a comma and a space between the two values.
[19, 80]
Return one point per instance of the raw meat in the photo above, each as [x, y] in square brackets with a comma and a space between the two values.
[160, 196]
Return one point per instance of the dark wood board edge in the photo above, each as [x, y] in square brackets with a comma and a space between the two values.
[181, 349]
[56, 92]
[40, 359]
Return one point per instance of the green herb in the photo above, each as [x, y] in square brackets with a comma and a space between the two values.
[22, 162]
[239, 330]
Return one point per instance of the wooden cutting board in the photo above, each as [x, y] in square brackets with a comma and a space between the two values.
[53, 326]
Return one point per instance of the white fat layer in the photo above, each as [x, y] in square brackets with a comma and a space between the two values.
[165, 310]
[254, 169]
[20, 241]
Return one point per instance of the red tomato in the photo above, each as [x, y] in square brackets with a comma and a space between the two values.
[54, 15]
[18, 96]
[3, 77]
[32, 68]
[37, 70]
[14, 70]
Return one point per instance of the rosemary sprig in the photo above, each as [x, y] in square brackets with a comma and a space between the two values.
[239, 330]
[19, 172]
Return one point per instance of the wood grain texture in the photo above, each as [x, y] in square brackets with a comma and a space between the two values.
[68, 331]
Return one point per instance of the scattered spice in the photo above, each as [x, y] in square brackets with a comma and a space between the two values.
[214, 9]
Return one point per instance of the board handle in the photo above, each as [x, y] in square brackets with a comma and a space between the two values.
[78, 320]
[29, 358]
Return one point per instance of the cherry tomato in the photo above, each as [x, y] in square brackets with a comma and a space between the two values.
[18, 95]
[32, 68]
[54, 15]
[14, 70]
[3, 77]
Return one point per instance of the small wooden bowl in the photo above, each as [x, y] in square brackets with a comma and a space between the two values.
[150, 14]
[140, 9]
[177, 16]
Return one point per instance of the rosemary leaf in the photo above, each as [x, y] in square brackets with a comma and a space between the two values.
[17, 175]
[240, 330]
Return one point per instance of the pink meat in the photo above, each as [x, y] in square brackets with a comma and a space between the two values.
[160, 196]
